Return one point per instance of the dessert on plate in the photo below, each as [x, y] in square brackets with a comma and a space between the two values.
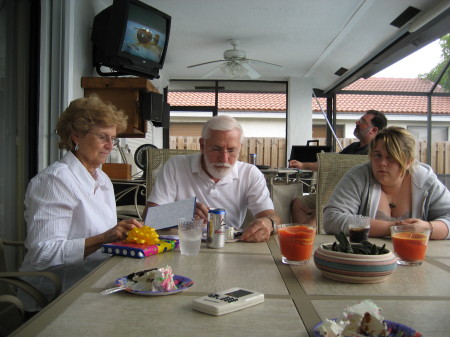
[362, 319]
[156, 279]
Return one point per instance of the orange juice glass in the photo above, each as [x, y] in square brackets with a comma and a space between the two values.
[296, 242]
[410, 244]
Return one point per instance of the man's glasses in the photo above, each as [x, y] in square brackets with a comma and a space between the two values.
[106, 139]
[363, 121]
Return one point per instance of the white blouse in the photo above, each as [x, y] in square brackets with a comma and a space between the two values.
[64, 205]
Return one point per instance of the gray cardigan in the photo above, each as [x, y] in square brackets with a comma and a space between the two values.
[358, 192]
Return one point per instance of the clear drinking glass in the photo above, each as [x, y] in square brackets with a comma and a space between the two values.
[190, 235]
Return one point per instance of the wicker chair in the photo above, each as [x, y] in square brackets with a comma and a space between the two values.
[156, 158]
[11, 307]
[331, 168]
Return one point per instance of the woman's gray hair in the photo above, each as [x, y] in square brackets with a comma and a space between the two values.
[222, 123]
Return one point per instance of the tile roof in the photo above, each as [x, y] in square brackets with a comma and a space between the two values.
[231, 101]
[348, 103]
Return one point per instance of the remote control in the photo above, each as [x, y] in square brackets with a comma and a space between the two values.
[227, 301]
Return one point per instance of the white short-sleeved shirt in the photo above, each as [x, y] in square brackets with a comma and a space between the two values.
[183, 177]
[64, 205]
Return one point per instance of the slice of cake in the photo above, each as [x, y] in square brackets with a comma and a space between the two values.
[154, 280]
[362, 319]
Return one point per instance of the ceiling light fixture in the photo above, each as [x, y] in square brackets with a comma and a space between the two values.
[233, 69]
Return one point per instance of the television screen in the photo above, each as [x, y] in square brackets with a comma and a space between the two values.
[131, 38]
[145, 34]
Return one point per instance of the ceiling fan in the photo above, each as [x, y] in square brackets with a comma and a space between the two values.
[236, 64]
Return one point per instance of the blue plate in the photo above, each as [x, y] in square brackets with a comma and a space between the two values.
[395, 330]
[181, 282]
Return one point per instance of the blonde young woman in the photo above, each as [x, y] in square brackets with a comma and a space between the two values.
[392, 189]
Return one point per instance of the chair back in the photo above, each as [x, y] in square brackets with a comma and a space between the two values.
[12, 308]
[331, 168]
[156, 158]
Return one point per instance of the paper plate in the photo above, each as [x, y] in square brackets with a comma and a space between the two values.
[395, 329]
[182, 283]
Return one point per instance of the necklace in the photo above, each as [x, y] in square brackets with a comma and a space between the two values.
[392, 205]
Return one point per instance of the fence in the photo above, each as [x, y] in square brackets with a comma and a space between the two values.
[272, 151]
[269, 151]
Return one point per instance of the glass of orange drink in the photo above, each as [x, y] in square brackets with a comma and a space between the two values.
[296, 242]
[410, 244]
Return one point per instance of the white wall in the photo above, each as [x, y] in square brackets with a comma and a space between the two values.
[66, 57]
[299, 111]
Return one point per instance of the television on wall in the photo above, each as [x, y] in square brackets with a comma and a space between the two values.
[131, 38]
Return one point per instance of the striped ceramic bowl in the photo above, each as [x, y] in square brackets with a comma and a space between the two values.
[354, 268]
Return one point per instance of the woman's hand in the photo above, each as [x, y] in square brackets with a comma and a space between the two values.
[415, 222]
[117, 233]
[438, 228]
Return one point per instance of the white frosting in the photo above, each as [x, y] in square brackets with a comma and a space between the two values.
[364, 317]
[330, 328]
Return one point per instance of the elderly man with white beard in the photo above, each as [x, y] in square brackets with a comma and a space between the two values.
[219, 180]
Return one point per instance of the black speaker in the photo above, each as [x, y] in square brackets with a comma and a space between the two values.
[151, 107]
[166, 116]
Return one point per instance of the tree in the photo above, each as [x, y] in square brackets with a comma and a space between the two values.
[434, 73]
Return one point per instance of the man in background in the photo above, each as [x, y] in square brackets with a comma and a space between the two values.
[303, 209]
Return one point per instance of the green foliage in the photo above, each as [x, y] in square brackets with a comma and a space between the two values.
[365, 247]
[445, 57]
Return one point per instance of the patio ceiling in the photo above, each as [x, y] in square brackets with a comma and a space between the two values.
[310, 39]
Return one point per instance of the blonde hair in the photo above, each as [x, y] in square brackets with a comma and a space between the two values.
[83, 114]
[399, 144]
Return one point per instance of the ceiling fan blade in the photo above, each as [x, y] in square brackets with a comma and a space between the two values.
[276, 66]
[212, 71]
[200, 64]
[252, 73]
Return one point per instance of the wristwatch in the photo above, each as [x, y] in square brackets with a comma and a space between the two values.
[273, 225]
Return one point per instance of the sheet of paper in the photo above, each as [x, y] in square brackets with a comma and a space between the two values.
[166, 216]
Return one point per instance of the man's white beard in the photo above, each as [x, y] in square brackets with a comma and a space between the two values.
[218, 170]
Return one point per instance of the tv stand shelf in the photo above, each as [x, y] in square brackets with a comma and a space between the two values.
[124, 93]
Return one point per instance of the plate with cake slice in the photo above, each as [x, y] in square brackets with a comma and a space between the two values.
[151, 282]
[363, 319]
[394, 329]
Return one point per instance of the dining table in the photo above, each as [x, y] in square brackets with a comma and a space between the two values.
[296, 298]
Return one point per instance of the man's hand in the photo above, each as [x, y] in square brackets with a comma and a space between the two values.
[201, 211]
[258, 231]
[261, 228]
[296, 164]
[312, 166]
